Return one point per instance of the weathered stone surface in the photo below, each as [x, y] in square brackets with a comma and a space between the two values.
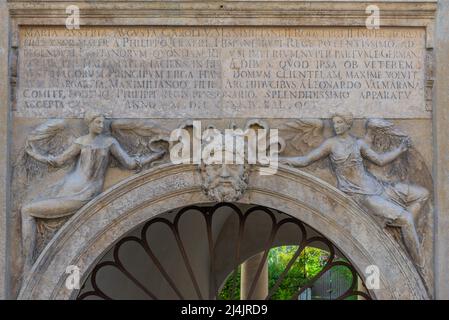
[214, 72]
[4, 167]
[230, 61]
[441, 154]
[97, 226]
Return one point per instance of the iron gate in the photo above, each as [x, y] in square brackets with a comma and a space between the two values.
[92, 289]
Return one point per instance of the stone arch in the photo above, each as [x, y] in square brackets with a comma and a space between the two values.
[84, 239]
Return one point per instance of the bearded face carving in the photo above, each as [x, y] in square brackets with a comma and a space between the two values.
[224, 182]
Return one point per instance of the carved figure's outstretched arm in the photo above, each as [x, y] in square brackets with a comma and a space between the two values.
[303, 161]
[133, 162]
[55, 161]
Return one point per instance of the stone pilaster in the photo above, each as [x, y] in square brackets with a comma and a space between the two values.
[441, 156]
[4, 128]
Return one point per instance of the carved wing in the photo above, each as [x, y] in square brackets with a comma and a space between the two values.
[410, 167]
[50, 138]
[303, 134]
[139, 137]
[383, 135]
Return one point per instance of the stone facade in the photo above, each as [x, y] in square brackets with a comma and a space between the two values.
[106, 98]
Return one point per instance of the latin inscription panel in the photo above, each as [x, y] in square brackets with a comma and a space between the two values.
[215, 72]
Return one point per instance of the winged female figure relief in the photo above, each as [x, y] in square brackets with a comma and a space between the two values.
[92, 154]
[398, 203]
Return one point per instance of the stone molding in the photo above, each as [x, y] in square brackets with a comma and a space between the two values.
[97, 226]
[282, 13]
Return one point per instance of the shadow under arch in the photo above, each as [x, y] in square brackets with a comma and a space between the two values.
[192, 248]
[95, 228]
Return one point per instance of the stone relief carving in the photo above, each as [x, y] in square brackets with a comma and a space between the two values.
[404, 181]
[391, 197]
[224, 182]
[132, 144]
[221, 181]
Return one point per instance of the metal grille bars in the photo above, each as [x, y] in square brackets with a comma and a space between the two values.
[91, 288]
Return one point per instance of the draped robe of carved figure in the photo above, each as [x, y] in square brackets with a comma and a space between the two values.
[398, 203]
[81, 184]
